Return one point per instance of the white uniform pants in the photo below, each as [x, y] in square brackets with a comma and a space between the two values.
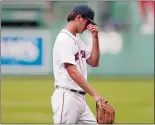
[70, 107]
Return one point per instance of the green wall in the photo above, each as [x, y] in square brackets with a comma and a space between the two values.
[137, 55]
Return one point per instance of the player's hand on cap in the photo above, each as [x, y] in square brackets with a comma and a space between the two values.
[93, 29]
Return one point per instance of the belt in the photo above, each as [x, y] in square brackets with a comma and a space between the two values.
[72, 90]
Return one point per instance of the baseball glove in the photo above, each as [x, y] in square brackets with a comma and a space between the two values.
[105, 112]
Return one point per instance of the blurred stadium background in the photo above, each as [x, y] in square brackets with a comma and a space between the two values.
[125, 76]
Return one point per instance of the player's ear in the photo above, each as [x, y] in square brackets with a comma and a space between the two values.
[78, 17]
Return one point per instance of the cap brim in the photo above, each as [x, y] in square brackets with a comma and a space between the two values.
[91, 21]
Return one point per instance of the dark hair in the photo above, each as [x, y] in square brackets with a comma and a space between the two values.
[71, 16]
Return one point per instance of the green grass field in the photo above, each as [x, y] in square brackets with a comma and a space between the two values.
[28, 100]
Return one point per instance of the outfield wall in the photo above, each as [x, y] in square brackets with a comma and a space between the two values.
[26, 52]
[29, 52]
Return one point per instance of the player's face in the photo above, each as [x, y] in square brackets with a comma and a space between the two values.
[83, 23]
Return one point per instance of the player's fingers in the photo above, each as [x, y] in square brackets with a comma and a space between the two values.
[92, 26]
[92, 30]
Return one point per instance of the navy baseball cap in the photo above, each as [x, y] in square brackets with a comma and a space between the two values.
[86, 12]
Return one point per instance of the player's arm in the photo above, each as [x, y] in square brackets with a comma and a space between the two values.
[80, 80]
[93, 60]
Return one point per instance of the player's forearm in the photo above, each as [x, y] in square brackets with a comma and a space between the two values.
[95, 54]
[80, 80]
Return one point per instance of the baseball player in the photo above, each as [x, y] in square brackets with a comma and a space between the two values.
[70, 59]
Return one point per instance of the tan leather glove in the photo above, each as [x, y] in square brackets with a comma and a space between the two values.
[105, 112]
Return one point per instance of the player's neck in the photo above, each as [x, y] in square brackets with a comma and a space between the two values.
[71, 28]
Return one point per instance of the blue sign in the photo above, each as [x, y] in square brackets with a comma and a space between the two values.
[21, 51]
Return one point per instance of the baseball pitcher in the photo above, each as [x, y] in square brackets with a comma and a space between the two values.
[70, 59]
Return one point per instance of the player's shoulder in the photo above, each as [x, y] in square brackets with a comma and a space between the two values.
[63, 38]
[64, 34]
